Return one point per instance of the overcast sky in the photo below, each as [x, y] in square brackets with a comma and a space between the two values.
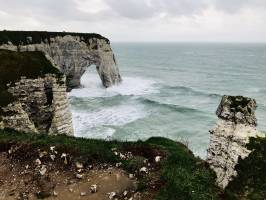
[142, 20]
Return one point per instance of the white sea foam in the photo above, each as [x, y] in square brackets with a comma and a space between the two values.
[91, 124]
[92, 87]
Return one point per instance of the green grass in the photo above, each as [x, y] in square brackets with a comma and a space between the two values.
[13, 65]
[186, 176]
[22, 37]
[96, 150]
[250, 182]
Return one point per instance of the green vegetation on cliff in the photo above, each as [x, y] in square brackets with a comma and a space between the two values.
[35, 37]
[250, 182]
[14, 65]
[181, 175]
[186, 176]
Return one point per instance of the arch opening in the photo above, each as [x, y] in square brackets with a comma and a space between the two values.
[91, 77]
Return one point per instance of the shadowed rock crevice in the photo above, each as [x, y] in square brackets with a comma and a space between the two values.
[48, 90]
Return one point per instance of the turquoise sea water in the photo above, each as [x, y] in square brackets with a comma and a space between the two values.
[170, 90]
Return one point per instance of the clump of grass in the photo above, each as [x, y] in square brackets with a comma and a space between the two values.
[134, 163]
[250, 182]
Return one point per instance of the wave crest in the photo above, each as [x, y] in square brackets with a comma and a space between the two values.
[178, 108]
[186, 90]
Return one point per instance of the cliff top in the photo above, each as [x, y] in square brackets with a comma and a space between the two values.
[13, 65]
[177, 173]
[33, 37]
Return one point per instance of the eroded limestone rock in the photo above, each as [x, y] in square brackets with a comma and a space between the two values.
[73, 54]
[41, 106]
[236, 124]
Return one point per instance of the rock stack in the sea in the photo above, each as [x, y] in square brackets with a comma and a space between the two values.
[72, 53]
[236, 124]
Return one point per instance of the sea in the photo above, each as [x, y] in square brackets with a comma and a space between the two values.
[169, 90]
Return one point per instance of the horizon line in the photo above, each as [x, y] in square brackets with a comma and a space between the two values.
[221, 42]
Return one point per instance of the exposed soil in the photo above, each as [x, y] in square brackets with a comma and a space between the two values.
[32, 173]
[22, 180]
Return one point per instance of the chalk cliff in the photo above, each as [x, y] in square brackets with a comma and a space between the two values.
[72, 53]
[236, 124]
[33, 94]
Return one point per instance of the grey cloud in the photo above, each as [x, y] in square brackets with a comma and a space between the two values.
[233, 6]
[132, 8]
[148, 8]
[182, 7]
[60, 10]
[39, 8]
[63, 10]
[139, 9]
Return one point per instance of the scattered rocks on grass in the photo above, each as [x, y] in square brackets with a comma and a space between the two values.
[144, 170]
[157, 159]
[38, 161]
[112, 195]
[79, 165]
[93, 188]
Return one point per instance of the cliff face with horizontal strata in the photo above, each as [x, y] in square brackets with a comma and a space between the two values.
[236, 124]
[72, 53]
[33, 94]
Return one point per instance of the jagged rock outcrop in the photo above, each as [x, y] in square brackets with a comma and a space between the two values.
[33, 94]
[73, 53]
[41, 106]
[236, 124]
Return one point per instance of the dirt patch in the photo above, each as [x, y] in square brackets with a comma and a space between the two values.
[29, 172]
[108, 182]
[54, 175]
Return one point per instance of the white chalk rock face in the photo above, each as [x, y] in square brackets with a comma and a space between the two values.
[39, 103]
[41, 106]
[72, 53]
[236, 124]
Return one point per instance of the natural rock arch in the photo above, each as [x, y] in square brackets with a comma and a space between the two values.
[77, 56]
[72, 53]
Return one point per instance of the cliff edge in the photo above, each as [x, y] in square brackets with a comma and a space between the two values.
[33, 94]
[72, 53]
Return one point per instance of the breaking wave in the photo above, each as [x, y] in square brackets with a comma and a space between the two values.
[92, 87]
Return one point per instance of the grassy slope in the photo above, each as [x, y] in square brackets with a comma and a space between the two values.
[186, 176]
[13, 65]
[251, 180]
[21, 37]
